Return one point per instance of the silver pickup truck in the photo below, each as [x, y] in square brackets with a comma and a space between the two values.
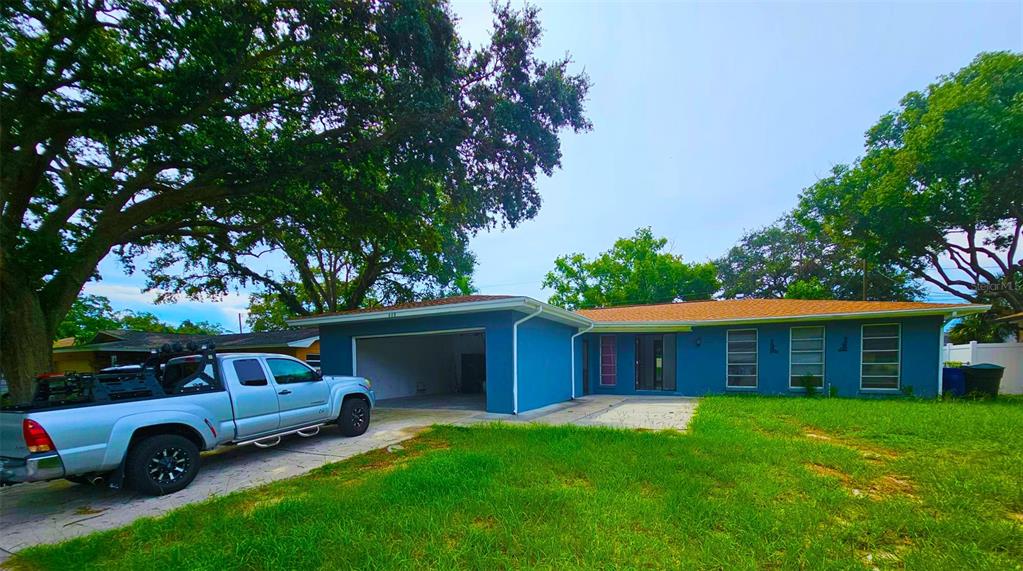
[146, 428]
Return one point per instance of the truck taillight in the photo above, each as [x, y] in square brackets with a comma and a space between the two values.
[35, 437]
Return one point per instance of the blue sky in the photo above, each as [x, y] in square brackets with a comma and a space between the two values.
[709, 118]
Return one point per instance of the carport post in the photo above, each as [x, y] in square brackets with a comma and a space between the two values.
[515, 358]
[573, 356]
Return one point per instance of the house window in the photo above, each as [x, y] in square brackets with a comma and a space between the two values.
[313, 360]
[742, 358]
[806, 356]
[608, 360]
[879, 362]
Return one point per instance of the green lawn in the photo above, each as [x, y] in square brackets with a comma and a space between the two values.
[757, 482]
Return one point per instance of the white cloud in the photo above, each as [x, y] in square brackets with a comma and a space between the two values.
[224, 311]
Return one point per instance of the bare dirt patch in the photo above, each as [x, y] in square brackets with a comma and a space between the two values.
[870, 452]
[829, 472]
[484, 523]
[886, 487]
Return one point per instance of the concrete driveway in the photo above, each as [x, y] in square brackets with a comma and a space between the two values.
[49, 512]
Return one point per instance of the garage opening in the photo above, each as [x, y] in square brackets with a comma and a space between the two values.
[426, 370]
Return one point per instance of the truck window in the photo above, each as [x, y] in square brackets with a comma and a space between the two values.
[249, 372]
[287, 371]
[189, 375]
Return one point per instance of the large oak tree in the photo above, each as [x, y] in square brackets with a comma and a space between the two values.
[939, 189]
[143, 125]
[786, 259]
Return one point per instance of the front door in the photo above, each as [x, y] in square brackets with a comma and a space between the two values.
[303, 395]
[655, 362]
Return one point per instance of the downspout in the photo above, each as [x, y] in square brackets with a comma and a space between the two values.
[515, 358]
[592, 325]
[941, 350]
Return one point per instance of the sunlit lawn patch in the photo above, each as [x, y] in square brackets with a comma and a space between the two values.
[757, 482]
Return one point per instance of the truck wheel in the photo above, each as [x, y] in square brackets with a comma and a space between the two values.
[162, 464]
[354, 418]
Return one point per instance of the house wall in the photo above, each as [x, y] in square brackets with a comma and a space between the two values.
[701, 358]
[545, 366]
[302, 352]
[544, 359]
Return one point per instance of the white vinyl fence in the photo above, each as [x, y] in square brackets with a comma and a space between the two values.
[1008, 355]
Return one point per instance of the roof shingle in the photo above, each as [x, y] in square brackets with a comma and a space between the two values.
[727, 309]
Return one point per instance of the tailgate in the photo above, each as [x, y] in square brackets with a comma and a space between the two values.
[12, 440]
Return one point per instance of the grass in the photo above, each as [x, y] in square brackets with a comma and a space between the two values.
[757, 482]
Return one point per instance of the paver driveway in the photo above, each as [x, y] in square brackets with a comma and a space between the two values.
[47, 512]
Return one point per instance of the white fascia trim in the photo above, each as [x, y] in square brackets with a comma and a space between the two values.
[304, 343]
[641, 326]
[947, 312]
[511, 303]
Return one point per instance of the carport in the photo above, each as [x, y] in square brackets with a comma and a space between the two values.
[430, 369]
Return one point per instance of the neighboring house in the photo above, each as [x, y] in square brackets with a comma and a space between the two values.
[1017, 320]
[126, 347]
[524, 354]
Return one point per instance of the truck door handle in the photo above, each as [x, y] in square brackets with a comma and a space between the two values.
[284, 392]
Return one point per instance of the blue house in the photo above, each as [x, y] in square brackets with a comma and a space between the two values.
[513, 354]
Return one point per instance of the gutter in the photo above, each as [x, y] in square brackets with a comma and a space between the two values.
[592, 325]
[515, 358]
[682, 324]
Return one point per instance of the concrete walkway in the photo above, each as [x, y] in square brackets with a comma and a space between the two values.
[49, 512]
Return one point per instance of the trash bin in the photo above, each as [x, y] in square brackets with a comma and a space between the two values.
[984, 378]
[953, 381]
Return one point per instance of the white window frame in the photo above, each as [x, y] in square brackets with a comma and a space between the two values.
[600, 363]
[756, 361]
[898, 363]
[823, 351]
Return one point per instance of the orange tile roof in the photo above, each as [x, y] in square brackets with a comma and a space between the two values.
[740, 309]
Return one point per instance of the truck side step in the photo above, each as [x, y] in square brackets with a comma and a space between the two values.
[272, 440]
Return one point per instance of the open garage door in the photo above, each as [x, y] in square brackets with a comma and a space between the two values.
[426, 370]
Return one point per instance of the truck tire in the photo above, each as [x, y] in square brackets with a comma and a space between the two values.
[162, 464]
[354, 418]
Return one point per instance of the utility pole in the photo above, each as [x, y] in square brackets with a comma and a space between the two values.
[240, 323]
[864, 281]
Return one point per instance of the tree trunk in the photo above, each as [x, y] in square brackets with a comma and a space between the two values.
[26, 342]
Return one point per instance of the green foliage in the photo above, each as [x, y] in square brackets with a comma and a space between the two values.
[808, 289]
[939, 184]
[269, 310]
[896, 483]
[981, 328]
[808, 383]
[91, 314]
[635, 270]
[472, 128]
[363, 142]
[786, 259]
